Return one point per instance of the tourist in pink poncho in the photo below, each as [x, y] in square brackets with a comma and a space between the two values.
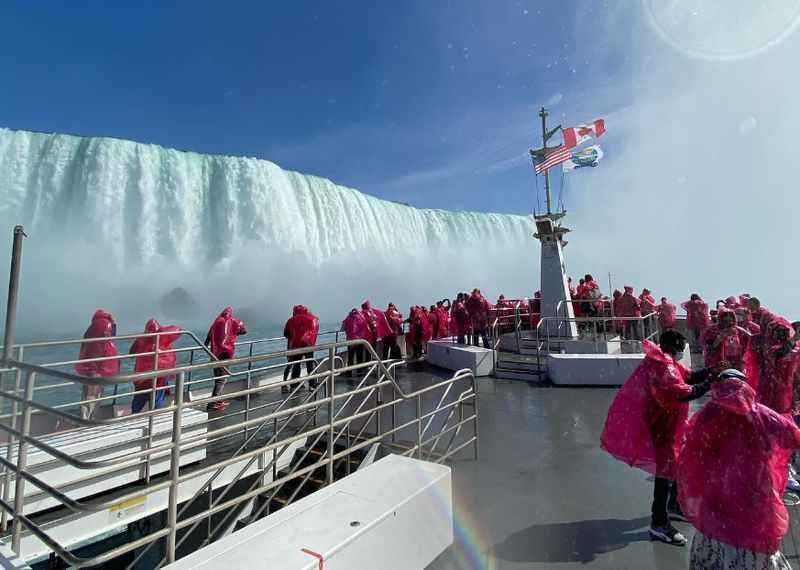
[391, 348]
[221, 340]
[781, 364]
[731, 474]
[301, 331]
[145, 363]
[667, 315]
[697, 317]
[460, 322]
[629, 307]
[727, 341]
[478, 308]
[355, 328]
[646, 422]
[103, 325]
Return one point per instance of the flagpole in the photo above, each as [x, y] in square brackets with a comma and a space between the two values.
[543, 115]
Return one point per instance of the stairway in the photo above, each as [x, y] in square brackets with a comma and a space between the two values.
[529, 364]
[297, 488]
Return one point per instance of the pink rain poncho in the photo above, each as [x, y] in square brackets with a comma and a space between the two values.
[616, 296]
[433, 321]
[666, 314]
[301, 329]
[460, 323]
[648, 302]
[442, 320]
[646, 421]
[103, 325]
[780, 365]
[354, 326]
[394, 319]
[733, 469]
[370, 321]
[745, 319]
[382, 327]
[628, 305]
[478, 309]
[224, 331]
[166, 359]
[734, 347]
[697, 317]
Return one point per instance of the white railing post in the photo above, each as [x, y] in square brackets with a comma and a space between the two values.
[331, 410]
[174, 470]
[22, 459]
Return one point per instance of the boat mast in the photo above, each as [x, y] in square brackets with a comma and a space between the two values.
[543, 114]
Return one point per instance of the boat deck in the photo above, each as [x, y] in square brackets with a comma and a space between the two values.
[543, 493]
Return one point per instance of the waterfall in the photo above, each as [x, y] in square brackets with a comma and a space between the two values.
[108, 216]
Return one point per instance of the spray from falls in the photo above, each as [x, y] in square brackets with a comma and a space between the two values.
[118, 224]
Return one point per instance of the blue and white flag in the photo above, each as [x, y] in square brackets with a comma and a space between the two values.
[589, 156]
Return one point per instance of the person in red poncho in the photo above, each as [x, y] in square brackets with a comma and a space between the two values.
[697, 318]
[648, 307]
[779, 372]
[300, 331]
[618, 324]
[731, 475]
[666, 315]
[433, 321]
[443, 319]
[370, 322]
[478, 309]
[391, 349]
[745, 319]
[725, 340]
[145, 363]
[221, 340]
[355, 327]
[103, 325]
[646, 421]
[629, 307]
[460, 319]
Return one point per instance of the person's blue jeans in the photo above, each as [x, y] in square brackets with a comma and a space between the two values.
[141, 400]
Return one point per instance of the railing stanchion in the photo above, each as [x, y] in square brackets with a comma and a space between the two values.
[174, 469]
[419, 426]
[331, 410]
[11, 439]
[22, 459]
[13, 292]
[247, 397]
[151, 418]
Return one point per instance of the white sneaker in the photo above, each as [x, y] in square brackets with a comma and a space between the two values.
[668, 534]
[792, 484]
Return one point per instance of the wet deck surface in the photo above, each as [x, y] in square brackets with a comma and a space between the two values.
[543, 494]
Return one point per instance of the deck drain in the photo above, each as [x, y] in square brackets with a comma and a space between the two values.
[355, 523]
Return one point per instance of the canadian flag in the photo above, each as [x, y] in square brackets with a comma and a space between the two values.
[573, 136]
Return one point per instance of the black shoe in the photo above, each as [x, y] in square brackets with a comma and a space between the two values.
[285, 389]
[668, 534]
[312, 384]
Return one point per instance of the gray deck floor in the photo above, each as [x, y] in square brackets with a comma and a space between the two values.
[543, 494]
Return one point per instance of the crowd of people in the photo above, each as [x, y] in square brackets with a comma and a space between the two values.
[725, 468]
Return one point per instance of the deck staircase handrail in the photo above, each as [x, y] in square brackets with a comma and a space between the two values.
[449, 406]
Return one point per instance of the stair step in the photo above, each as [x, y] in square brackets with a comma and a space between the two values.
[516, 375]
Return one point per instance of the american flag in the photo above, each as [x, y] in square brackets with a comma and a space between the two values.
[555, 156]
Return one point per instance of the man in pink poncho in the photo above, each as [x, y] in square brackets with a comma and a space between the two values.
[355, 328]
[103, 326]
[697, 318]
[725, 340]
[629, 307]
[731, 475]
[666, 315]
[646, 422]
[221, 340]
[460, 319]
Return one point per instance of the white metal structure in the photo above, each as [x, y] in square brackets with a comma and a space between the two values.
[396, 514]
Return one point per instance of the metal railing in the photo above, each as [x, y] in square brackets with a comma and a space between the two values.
[432, 422]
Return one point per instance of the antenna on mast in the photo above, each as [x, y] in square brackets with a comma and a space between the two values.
[541, 154]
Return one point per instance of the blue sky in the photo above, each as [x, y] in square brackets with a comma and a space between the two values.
[433, 103]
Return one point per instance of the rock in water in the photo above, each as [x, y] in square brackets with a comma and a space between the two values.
[179, 304]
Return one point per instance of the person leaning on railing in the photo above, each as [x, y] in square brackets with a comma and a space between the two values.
[103, 325]
[221, 340]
